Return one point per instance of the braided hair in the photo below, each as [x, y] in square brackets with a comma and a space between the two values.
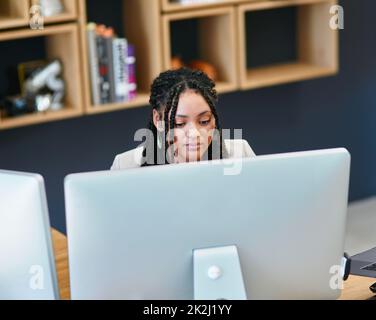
[165, 93]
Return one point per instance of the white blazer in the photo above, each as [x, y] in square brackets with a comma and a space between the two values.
[133, 158]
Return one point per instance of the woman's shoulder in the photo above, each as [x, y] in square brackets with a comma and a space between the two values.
[129, 159]
[236, 148]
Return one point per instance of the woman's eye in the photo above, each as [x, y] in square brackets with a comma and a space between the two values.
[179, 125]
[205, 123]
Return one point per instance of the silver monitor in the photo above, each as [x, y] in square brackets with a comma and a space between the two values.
[27, 266]
[269, 227]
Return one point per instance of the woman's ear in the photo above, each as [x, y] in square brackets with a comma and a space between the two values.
[158, 121]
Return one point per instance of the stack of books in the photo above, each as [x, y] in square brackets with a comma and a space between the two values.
[112, 66]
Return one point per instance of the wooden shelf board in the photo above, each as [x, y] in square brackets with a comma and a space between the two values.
[263, 5]
[29, 33]
[141, 100]
[283, 73]
[64, 17]
[12, 22]
[35, 118]
[248, 4]
[196, 14]
[225, 87]
[170, 6]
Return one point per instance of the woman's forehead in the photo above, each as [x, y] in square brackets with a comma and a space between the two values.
[192, 104]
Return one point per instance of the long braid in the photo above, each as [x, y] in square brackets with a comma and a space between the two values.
[159, 91]
[222, 151]
[170, 115]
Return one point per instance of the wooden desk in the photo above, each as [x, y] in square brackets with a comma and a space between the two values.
[356, 288]
[61, 259]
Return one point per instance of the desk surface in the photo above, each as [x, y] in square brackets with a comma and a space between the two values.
[356, 288]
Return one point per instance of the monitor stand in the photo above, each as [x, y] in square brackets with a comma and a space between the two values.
[217, 274]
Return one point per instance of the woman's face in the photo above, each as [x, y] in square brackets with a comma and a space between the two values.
[194, 127]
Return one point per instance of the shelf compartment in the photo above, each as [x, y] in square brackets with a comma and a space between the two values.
[215, 41]
[315, 45]
[138, 21]
[70, 12]
[58, 42]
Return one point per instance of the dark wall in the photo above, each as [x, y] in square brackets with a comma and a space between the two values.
[337, 111]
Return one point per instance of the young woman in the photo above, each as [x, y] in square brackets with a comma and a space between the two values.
[184, 124]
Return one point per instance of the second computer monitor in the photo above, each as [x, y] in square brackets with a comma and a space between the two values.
[27, 265]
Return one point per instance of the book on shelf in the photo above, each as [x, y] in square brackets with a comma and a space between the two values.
[108, 37]
[112, 65]
[121, 75]
[104, 65]
[131, 62]
[93, 63]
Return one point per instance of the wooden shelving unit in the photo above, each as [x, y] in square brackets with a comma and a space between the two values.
[216, 39]
[317, 48]
[221, 41]
[14, 13]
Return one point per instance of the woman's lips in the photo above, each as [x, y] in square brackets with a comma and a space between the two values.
[193, 146]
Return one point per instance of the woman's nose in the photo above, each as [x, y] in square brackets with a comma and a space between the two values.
[192, 132]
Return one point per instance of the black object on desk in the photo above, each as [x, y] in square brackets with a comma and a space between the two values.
[364, 264]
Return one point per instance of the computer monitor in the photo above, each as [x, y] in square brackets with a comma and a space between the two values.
[272, 230]
[27, 266]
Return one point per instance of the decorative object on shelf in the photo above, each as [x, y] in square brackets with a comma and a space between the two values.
[26, 69]
[177, 62]
[47, 87]
[13, 106]
[206, 67]
[51, 7]
[42, 89]
[131, 63]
